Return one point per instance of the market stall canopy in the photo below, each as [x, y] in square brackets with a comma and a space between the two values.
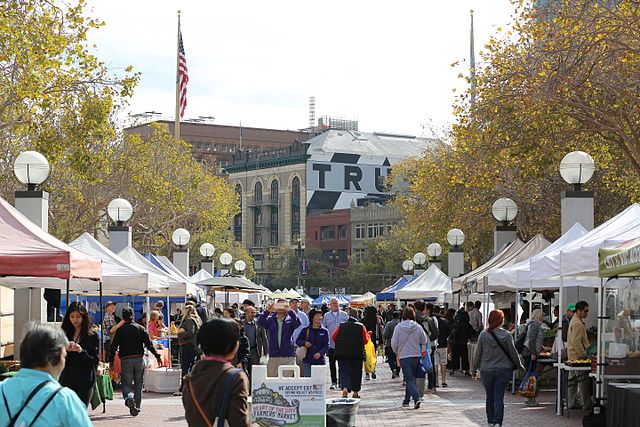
[27, 250]
[177, 286]
[230, 283]
[429, 284]
[389, 294]
[363, 300]
[517, 275]
[495, 261]
[200, 275]
[119, 277]
[322, 299]
[578, 260]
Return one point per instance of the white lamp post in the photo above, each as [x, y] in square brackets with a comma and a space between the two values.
[576, 168]
[226, 259]
[207, 263]
[434, 250]
[119, 210]
[240, 266]
[407, 266]
[504, 210]
[181, 238]
[31, 169]
[419, 259]
[455, 258]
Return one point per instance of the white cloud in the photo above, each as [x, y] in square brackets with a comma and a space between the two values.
[384, 63]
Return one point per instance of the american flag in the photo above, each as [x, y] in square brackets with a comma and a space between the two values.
[183, 77]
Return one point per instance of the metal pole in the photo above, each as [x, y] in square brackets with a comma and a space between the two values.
[559, 374]
[102, 322]
[67, 297]
[169, 322]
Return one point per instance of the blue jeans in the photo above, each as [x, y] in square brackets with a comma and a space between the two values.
[132, 372]
[495, 382]
[188, 355]
[409, 367]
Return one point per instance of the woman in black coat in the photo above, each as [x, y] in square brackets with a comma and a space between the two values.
[462, 332]
[79, 373]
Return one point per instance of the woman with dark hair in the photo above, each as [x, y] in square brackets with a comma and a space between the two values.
[82, 353]
[241, 360]
[315, 338]
[496, 358]
[214, 378]
[462, 332]
[370, 321]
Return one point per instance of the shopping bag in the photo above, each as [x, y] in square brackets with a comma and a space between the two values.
[370, 361]
[426, 363]
[529, 385]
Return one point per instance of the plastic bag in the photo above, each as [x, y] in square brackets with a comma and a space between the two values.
[370, 361]
[529, 385]
[426, 363]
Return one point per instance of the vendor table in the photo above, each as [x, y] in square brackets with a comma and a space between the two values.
[622, 405]
[165, 356]
[565, 369]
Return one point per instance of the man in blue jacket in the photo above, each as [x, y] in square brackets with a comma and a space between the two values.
[280, 324]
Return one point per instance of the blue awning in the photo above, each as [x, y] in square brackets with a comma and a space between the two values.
[389, 294]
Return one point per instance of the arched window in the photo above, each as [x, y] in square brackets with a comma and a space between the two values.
[295, 208]
[237, 220]
[274, 213]
[257, 215]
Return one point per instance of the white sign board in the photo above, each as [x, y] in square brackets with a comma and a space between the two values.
[288, 401]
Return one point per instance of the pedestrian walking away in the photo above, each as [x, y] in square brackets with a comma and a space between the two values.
[215, 391]
[496, 358]
[388, 350]
[280, 324]
[440, 357]
[409, 342]
[34, 397]
[79, 373]
[350, 337]
[332, 319]
[130, 342]
[462, 332]
[374, 326]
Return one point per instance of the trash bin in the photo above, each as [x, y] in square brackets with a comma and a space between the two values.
[342, 412]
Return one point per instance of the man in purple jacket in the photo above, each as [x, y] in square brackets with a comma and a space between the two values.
[280, 324]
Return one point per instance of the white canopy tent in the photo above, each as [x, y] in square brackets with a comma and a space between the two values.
[177, 286]
[518, 275]
[429, 284]
[202, 274]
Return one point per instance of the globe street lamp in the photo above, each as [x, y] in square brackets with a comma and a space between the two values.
[455, 257]
[31, 168]
[576, 168]
[206, 263]
[407, 266]
[419, 259]
[120, 211]
[226, 259]
[240, 266]
[181, 238]
[504, 210]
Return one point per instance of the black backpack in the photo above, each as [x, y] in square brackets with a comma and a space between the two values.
[521, 339]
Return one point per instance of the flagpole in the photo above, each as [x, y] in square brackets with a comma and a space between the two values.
[177, 123]
[472, 63]
[240, 135]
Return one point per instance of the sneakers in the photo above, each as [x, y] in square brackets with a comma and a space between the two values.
[373, 375]
[393, 375]
[367, 377]
[129, 403]
[334, 386]
[405, 405]
[417, 405]
[444, 385]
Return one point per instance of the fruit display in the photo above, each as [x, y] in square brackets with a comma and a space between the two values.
[579, 362]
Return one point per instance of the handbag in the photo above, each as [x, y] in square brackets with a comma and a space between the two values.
[529, 385]
[223, 404]
[514, 367]
[301, 352]
[370, 360]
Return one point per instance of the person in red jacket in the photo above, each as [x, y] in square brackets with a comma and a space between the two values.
[350, 338]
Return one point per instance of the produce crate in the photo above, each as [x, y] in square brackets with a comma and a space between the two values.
[162, 380]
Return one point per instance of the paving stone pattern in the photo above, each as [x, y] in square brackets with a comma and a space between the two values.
[461, 404]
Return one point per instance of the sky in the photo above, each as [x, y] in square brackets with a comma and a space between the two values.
[386, 64]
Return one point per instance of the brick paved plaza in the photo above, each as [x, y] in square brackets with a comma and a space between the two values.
[461, 404]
